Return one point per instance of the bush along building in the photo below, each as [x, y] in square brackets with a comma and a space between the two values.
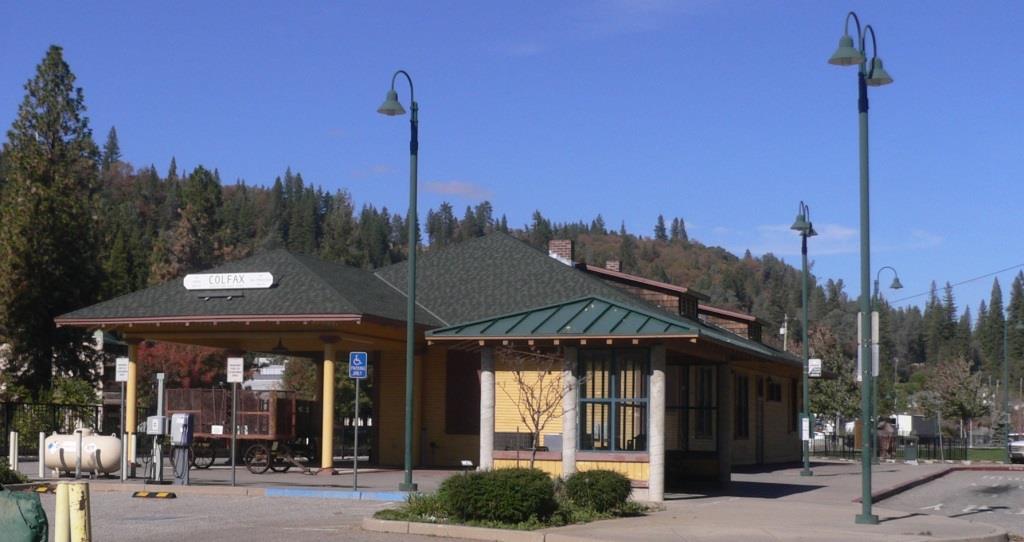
[522, 358]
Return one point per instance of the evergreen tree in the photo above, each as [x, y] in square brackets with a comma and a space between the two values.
[660, 232]
[540, 231]
[679, 231]
[48, 261]
[990, 331]
[442, 226]
[111, 151]
[597, 226]
[1015, 328]
[339, 230]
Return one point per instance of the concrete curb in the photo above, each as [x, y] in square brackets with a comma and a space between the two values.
[458, 531]
[382, 496]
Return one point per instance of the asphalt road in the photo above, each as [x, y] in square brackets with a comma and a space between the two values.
[118, 516]
[995, 498]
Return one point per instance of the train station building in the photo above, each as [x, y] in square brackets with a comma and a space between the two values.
[633, 375]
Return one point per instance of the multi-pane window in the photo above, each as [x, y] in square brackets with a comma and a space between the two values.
[774, 391]
[741, 407]
[613, 399]
[705, 402]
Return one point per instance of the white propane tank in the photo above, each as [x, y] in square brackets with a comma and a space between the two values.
[62, 452]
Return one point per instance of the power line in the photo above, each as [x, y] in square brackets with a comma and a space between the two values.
[986, 275]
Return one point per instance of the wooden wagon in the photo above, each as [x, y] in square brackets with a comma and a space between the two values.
[275, 429]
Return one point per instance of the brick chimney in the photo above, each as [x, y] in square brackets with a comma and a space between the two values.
[613, 265]
[562, 250]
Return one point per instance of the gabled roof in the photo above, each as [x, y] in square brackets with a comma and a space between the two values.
[590, 317]
[304, 288]
[498, 274]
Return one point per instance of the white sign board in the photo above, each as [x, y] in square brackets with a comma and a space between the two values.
[228, 281]
[216, 429]
[805, 428]
[814, 368]
[121, 370]
[235, 370]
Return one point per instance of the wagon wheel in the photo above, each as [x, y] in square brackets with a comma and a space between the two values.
[257, 458]
[203, 454]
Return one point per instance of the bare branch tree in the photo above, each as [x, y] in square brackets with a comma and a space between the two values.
[537, 391]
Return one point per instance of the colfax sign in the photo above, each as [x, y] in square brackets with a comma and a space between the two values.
[228, 281]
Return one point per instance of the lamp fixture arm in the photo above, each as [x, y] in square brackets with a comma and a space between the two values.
[414, 119]
[874, 50]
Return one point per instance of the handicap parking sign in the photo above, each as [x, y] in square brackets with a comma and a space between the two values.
[357, 365]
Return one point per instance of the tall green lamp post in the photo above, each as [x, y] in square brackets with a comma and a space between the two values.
[392, 107]
[876, 299]
[872, 74]
[1019, 326]
[803, 225]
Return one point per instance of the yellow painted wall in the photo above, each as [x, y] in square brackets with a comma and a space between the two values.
[442, 449]
[780, 444]
[390, 412]
[633, 471]
[507, 393]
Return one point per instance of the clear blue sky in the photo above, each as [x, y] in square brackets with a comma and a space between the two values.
[724, 113]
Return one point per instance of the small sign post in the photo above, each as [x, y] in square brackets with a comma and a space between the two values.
[805, 427]
[121, 375]
[235, 371]
[357, 372]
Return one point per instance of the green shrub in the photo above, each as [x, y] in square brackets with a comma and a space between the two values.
[599, 490]
[504, 495]
[8, 476]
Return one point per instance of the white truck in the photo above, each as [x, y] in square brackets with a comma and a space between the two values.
[1016, 447]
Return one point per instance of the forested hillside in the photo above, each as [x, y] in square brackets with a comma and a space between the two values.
[148, 227]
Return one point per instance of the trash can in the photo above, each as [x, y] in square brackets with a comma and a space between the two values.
[22, 518]
[910, 450]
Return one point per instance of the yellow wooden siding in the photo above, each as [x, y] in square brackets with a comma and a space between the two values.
[390, 412]
[442, 449]
[780, 444]
[633, 471]
[507, 394]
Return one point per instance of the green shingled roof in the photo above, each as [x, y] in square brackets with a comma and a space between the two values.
[303, 285]
[588, 317]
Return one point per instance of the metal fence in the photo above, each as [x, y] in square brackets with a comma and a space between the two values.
[29, 419]
[842, 447]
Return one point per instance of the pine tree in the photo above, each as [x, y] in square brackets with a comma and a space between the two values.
[48, 263]
[1015, 328]
[111, 151]
[678, 233]
[990, 331]
[660, 233]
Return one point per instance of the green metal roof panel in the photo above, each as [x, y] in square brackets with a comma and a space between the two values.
[589, 317]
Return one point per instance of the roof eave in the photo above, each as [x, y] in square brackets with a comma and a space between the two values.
[196, 319]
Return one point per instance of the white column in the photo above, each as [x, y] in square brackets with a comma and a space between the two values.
[656, 450]
[487, 408]
[570, 413]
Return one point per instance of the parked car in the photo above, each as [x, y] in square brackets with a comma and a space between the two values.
[1017, 447]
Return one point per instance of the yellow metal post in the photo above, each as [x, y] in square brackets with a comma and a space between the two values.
[131, 402]
[61, 525]
[78, 503]
[327, 409]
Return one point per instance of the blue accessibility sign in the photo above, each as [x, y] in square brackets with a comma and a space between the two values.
[357, 365]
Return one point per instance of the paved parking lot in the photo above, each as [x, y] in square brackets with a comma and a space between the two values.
[995, 498]
[119, 516]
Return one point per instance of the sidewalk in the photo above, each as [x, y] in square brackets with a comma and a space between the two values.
[779, 504]
[752, 519]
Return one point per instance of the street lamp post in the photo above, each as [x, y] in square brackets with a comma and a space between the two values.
[1019, 326]
[876, 297]
[873, 75]
[803, 225]
[392, 107]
